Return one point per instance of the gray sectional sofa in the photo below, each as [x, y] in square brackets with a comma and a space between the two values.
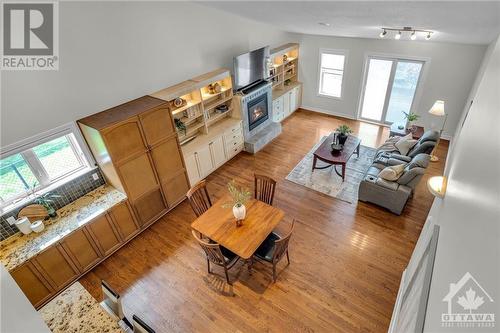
[393, 195]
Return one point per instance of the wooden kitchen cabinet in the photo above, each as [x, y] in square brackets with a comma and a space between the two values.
[82, 249]
[167, 159]
[136, 146]
[157, 125]
[137, 176]
[55, 265]
[124, 221]
[124, 140]
[150, 207]
[104, 234]
[176, 188]
[31, 282]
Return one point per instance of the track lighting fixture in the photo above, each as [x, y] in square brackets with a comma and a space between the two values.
[410, 30]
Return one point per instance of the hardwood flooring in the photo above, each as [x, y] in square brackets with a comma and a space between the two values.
[346, 259]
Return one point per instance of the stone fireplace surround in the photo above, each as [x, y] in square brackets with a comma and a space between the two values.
[266, 131]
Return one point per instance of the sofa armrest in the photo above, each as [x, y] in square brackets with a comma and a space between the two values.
[401, 157]
[387, 184]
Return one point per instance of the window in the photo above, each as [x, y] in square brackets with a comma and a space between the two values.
[331, 73]
[39, 163]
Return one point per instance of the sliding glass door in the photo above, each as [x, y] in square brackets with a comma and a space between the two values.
[389, 89]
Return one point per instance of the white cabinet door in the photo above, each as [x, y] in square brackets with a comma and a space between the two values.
[293, 100]
[297, 97]
[278, 109]
[286, 104]
[192, 168]
[205, 162]
[217, 151]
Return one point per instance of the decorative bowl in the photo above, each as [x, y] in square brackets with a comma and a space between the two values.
[337, 147]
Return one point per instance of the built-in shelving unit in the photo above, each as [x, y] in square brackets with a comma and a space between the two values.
[284, 74]
[204, 100]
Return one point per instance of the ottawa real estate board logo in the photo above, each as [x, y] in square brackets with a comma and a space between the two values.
[469, 305]
[30, 36]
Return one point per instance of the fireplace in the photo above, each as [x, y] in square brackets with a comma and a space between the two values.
[257, 111]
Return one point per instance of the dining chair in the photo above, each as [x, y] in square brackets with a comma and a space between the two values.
[198, 198]
[112, 303]
[217, 255]
[274, 248]
[139, 326]
[264, 188]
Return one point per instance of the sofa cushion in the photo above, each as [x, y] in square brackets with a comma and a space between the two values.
[419, 161]
[405, 144]
[409, 174]
[392, 173]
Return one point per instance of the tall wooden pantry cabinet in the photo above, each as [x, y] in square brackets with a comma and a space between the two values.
[137, 149]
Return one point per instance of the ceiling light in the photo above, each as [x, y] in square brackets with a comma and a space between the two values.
[383, 33]
[398, 35]
[428, 36]
[413, 35]
[324, 24]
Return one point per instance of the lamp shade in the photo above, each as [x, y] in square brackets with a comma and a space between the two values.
[437, 109]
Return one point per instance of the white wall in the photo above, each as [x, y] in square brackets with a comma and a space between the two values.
[469, 214]
[450, 74]
[112, 52]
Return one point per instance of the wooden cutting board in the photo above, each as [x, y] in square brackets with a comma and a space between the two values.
[33, 212]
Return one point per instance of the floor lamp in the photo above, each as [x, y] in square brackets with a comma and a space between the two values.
[438, 110]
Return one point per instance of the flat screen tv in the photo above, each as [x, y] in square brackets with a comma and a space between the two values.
[250, 67]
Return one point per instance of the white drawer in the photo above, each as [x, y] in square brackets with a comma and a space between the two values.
[234, 130]
[233, 143]
[231, 151]
[237, 136]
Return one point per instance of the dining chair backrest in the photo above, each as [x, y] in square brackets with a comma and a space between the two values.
[264, 188]
[199, 199]
[212, 250]
[140, 326]
[281, 245]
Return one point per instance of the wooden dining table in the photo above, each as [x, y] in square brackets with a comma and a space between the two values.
[219, 224]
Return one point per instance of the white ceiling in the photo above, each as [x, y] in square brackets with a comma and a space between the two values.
[470, 22]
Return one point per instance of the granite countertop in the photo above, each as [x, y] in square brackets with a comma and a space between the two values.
[75, 310]
[19, 248]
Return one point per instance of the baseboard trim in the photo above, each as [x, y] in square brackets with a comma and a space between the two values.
[342, 115]
[327, 112]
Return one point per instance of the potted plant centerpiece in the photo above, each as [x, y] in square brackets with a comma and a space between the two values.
[239, 196]
[344, 132]
[410, 118]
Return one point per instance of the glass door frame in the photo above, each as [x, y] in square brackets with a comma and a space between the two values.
[395, 59]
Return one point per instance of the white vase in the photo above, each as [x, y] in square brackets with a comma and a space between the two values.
[239, 212]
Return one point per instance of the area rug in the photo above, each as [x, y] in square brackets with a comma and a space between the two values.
[327, 181]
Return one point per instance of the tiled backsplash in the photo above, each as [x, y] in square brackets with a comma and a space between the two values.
[69, 192]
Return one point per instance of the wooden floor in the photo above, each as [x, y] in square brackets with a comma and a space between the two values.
[346, 259]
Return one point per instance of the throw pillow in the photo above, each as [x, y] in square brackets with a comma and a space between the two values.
[405, 144]
[392, 173]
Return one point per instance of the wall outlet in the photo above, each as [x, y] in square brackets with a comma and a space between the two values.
[95, 176]
[11, 220]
